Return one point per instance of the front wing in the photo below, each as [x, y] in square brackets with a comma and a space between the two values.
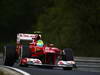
[38, 63]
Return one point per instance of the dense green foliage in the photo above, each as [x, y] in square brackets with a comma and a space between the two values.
[66, 23]
[73, 23]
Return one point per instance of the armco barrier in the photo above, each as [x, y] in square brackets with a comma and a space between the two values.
[88, 64]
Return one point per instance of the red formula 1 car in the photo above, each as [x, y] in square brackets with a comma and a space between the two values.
[29, 51]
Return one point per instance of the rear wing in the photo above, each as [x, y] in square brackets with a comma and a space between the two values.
[22, 36]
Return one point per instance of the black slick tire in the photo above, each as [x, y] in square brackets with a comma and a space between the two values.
[9, 55]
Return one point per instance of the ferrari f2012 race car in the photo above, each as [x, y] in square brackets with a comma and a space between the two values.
[31, 51]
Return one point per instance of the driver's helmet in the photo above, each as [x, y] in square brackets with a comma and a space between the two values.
[40, 43]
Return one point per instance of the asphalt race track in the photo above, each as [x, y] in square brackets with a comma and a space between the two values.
[44, 71]
[41, 71]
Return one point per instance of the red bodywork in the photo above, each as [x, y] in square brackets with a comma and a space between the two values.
[50, 53]
[34, 54]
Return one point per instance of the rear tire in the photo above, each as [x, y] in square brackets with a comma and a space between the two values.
[9, 55]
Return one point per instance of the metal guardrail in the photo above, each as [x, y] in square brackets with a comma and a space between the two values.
[88, 64]
[87, 59]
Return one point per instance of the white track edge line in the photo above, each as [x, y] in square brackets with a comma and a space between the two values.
[17, 70]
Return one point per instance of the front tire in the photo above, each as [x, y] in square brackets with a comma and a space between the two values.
[68, 54]
[25, 52]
